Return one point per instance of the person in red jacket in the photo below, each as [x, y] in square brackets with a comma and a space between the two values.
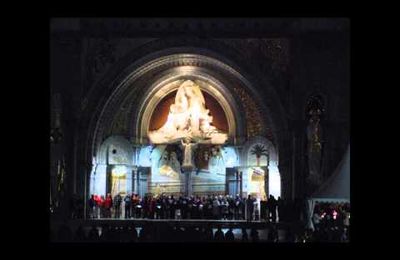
[100, 205]
[108, 203]
[97, 206]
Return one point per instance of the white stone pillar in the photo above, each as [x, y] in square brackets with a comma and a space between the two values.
[135, 179]
[188, 180]
[99, 186]
[129, 180]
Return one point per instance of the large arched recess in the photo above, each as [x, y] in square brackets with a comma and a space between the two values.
[125, 86]
[169, 80]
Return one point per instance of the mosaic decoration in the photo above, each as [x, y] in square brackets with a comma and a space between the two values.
[253, 116]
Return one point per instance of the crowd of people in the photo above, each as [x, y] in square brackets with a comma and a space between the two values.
[331, 222]
[152, 233]
[167, 232]
[327, 214]
[226, 207]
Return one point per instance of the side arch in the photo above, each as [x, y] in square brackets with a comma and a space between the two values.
[123, 150]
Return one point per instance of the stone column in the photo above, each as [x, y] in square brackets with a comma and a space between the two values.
[188, 181]
[135, 180]
[241, 184]
[85, 192]
[237, 182]
[266, 182]
[129, 180]
[188, 166]
[108, 179]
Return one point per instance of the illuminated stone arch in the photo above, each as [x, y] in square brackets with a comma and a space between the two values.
[136, 72]
[115, 151]
[133, 81]
[123, 153]
[171, 81]
[274, 182]
[246, 152]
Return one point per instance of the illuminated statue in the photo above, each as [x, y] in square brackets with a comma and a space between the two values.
[216, 164]
[188, 161]
[175, 165]
[169, 165]
[188, 118]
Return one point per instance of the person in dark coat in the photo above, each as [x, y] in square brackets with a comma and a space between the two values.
[93, 235]
[254, 235]
[145, 206]
[172, 203]
[158, 209]
[117, 206]
[224, 208]
[272, 208]
[208, 234]
[92, 207]
[108, 203]
[201, 208]
[245, 237]
[229, 236]
[209, 208]
[279, 205]
[183, 202]
[152, 207]
[231, 207]
[128, 204]
[178, 209]
[250, 207]
[164, 208]
[243, 208]
[216, 208]
[219, 235]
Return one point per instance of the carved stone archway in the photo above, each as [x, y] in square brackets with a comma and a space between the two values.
[131, 89]
[207, 83]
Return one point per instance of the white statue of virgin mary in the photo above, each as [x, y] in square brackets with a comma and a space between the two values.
[188, 118]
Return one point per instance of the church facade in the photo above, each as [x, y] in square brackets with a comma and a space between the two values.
[197, 106]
